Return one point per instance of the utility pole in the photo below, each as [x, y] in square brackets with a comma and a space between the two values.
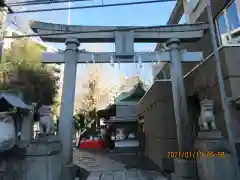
[69, 12]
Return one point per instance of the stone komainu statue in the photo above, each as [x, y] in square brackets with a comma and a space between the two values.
[207, 118]
[45, 120]
[120, 134]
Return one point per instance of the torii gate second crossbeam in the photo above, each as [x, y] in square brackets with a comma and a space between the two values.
[124, 45]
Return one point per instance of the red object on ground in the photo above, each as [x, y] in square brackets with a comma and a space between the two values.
[92, 144]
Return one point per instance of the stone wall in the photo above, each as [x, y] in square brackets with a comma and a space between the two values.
[159, 124]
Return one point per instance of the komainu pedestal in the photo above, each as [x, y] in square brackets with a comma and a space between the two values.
[184, 169]
[214, 161]
[43, 159]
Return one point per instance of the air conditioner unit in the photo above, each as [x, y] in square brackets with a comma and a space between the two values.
[225, 38]
[235, 33]
[235, 37]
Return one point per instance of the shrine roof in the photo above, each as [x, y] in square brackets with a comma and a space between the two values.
[136, 93]
[8, 100]
[109, 111]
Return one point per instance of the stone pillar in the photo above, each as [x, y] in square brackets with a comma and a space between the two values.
[183, 168]
[27, 128]
[67, 101]
[179, 97]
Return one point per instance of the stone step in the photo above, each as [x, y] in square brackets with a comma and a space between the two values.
[132, 174]
[125, 150]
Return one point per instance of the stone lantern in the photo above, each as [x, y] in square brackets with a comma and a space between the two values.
[8, 132]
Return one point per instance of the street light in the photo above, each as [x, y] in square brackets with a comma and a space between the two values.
[225, 103]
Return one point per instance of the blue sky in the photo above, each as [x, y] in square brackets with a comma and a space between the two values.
[145, 15]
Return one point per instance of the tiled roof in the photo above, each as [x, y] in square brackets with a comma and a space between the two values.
[138, 89]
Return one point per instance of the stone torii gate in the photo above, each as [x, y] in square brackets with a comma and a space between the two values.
[124, 38]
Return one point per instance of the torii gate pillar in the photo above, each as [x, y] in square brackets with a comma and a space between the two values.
[68, 93]
[179, 96]
[183, 168]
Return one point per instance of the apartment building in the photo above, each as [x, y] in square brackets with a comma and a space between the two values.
[226, 14]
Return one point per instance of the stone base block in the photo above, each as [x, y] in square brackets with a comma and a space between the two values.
[173, 176]
[166, 165]
[237, 147]
[69, 172]
[209, 135]
[47, 137]
[217, 168]
[185, 168]
[211, 141]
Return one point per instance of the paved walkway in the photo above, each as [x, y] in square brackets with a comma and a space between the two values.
[103, 166]
[95, 161]
[126, 175]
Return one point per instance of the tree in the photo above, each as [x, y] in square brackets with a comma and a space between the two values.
[79, 121]
[97, 87]
[22, 64]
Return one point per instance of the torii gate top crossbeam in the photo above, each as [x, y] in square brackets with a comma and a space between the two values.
[91, 34]
[50, 57]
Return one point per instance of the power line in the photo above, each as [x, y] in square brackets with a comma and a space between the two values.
[92, 6]
[29, 3]
[96, 31]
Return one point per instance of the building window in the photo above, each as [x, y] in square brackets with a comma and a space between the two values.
[228, 24]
